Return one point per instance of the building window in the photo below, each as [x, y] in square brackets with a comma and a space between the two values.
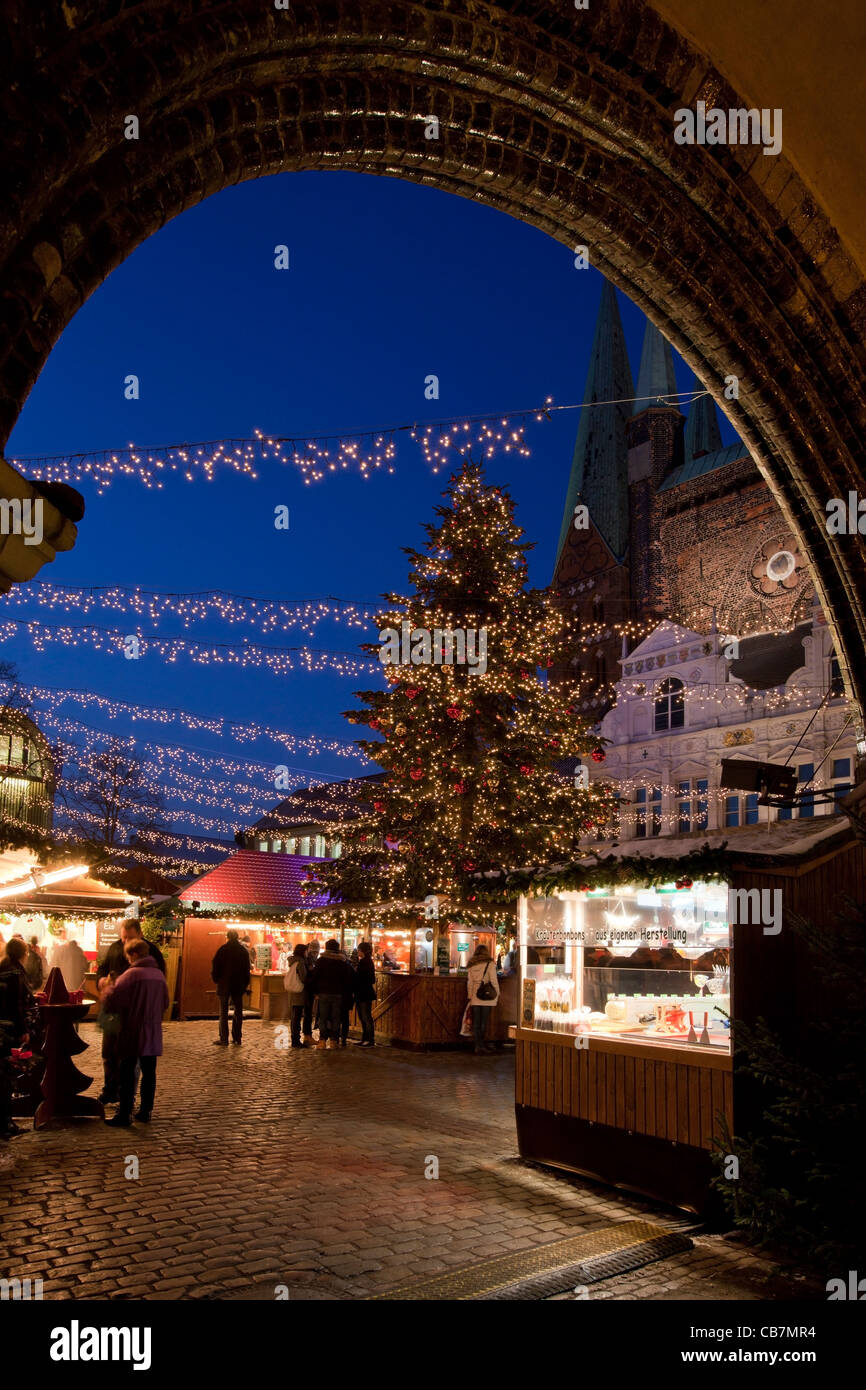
[837, 685]
[290, 846]
[305, 846]
[319, 847]
[752, 813]
[805, 773]
[684, 792]
[655, 806]
[640, 813]
[732, 811]
[841, 769]
[263, 846]
[693, 805]
[669, 705]
[336, 849]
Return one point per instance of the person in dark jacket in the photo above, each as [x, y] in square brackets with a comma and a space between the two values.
[140, 998]
[19, 1020]
[230, 972]
[34, 965]
[114, 962]
[312, 957]
[365, 993]
[330, 980]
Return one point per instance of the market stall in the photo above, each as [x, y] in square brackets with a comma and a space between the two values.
[632, 985]
[421, 994]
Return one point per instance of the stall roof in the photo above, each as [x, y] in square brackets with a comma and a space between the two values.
[82, 894]
[707, 855]
[250, 878]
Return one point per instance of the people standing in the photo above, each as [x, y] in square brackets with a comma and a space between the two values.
[34, 964]
[140, 998]
[365, 993]
[230, 971]
[330, 980]
[312, 957]
[19, 1020]
[295, 981]
[482, 986]
[114, 964]
[114, 961]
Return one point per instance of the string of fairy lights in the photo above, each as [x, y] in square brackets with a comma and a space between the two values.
[316, 456]
[152, 606]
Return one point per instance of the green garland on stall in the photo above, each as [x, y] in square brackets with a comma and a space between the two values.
[705, 865]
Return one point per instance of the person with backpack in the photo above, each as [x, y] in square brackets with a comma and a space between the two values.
[295, 981]
[482, 987]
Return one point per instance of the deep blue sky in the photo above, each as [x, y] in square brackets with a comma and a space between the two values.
[388, 282]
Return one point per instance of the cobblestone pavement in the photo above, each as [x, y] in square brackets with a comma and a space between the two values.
[265, 1167]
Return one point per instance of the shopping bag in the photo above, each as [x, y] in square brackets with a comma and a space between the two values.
[466, 1025]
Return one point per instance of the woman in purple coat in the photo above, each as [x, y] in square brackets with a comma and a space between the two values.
[140, 997]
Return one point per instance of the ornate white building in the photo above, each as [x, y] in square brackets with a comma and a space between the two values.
[685, 701]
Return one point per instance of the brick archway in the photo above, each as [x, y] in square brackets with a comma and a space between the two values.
[562, 119]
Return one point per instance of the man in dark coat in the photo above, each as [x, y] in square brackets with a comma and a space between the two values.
[114, 961]
[114, 964]
[331, 979]
[230, 972]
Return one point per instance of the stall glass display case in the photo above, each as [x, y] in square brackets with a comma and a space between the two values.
[642, 964]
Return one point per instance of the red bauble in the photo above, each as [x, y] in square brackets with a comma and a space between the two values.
[412, 691]
[378, 806]
[598, 755]
[525, 770]
[416, 773]
[454, 712]
[460, 788]
[374, 724]
[468, 866]
[554, 743]
[684, 883]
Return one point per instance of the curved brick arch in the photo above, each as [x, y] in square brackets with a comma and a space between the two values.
[562, 120]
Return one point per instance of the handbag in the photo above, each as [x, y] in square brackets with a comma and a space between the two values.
[485, 990]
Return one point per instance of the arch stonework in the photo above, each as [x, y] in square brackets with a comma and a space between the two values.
[561, 118]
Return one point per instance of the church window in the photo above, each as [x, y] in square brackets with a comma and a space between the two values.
[669, 705]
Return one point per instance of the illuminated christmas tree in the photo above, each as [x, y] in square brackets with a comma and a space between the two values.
[472, 750]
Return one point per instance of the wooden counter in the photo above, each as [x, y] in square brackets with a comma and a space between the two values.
[641, 1115]
[425, 1011]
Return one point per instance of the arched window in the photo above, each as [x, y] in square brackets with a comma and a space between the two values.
[669, 705]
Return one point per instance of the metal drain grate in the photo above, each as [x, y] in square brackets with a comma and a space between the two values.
[544, 1270]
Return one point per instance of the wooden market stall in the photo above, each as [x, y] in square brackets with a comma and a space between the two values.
[421, 997]
[631, 991]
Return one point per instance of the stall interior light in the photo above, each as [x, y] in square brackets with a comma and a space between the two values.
[37, 879]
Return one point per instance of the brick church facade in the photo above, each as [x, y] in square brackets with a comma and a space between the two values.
[664, 522]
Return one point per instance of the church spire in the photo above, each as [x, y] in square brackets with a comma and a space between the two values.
[702, 435]
[656, 377]
[599, 469]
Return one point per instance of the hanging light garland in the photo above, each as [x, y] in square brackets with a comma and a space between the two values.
[366, 452]
[147, 605]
